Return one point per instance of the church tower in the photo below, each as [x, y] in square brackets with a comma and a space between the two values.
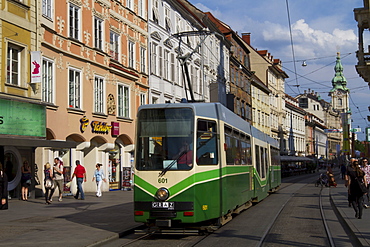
[340, 104]
[339, 93]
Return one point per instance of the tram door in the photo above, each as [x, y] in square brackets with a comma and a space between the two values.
[207, 155]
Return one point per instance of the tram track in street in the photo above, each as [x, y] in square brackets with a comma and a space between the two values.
[273, 223]
[296, 195]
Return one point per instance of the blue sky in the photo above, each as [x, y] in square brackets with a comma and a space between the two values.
[320, 29]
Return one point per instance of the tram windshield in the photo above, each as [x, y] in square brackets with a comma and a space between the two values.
[165, 139]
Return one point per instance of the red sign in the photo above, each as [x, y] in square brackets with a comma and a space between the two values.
[126, 183]
[115, 128]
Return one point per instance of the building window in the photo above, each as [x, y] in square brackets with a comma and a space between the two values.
[167, 20]
[74, 100]
[47, 7]
[131, 54]
[155, 12]
[129, 4]
[141, 8]
[114, 52]
[98, 33]
[154, 59]
[47, 80]
[14, 65]
[142, 99]
[196, 83]
[98, 94]
[303, 102]
[143, 59]
[160, 64]
[166, 64]
[123, 101]
[173, 69]
[74, 21]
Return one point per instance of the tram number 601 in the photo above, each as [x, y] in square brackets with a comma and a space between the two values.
[162, 180]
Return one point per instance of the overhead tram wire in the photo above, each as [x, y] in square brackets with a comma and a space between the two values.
[291, 42]
[317, 58]
[358, 109]
[304, 76]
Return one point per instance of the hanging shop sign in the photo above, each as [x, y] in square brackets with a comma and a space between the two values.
[22, 118]
[35, 66]
[115, 129]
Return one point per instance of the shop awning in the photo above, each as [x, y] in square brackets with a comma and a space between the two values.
[29, 142]
[294, 159]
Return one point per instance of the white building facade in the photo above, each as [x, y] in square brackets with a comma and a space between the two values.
[175, 32]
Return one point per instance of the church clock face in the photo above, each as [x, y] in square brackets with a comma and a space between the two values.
[338, 93]
[111, 105]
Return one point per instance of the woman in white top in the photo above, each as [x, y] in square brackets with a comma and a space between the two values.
[99, 177]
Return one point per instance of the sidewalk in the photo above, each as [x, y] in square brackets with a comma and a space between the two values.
[68, 223]
[96, 220]
[359, 227]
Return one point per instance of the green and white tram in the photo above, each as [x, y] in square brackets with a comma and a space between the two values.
[197, 164]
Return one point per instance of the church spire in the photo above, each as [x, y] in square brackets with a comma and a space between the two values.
[339, 82]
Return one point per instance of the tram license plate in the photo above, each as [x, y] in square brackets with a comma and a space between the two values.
[164, 205]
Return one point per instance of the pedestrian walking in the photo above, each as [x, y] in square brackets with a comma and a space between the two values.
[25, 180]
[330, 175]
[366, 168]
[3, 189]
[343, 170]
[80, 174]
[99, 178]
[58, 176]
[48, 183]
[355, 180]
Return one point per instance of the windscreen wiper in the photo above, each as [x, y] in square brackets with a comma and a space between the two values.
[171, 164]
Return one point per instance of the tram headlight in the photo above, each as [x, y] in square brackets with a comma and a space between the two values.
[162, 194]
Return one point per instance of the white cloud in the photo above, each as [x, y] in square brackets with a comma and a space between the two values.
[204, 8]
[309, 41]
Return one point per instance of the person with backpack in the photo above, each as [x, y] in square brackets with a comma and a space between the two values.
[58, 176]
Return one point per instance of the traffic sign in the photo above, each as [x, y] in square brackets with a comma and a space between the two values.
[355, 130]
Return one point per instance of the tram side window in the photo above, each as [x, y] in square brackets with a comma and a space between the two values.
[207, 143]
[263, 161]
[237, 148]
[245, 150]
[229, 145]
[275, 157]
[258, 159]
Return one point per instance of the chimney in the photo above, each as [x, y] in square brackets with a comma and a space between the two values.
[247, 38]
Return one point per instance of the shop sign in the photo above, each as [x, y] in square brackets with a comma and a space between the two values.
[115, 129]
[84, 123]
[100, 127]
[21, 118]
[35, 66]
[96, 126]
